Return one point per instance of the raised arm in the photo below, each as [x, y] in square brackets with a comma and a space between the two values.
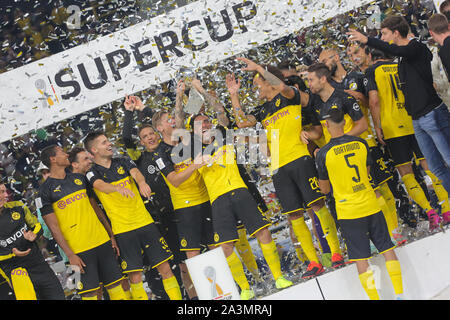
[179, 110]
[393, 49]
[242, 120]
[274, 81]
[128, 124]
[213, 102]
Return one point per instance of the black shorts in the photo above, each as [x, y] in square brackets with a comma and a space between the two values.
[296, 184]
[234, 206]
[195, 228]
[379, 172]
[145, 241]
[357, 234]
[45, 283]
[165, 221]
[252, 188]
[404, 149]
[101, 266]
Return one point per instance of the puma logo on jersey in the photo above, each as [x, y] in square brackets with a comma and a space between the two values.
[57, 189]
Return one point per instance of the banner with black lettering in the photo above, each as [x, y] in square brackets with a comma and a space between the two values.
[151, 52]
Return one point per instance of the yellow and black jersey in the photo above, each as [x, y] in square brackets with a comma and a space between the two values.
[342, 101]
[15, 218]
[282, 118]
[357, 81]
[68, 198]
[125, 213]
[383, 77]
[222, 174]
[178, 158]
[344, 161]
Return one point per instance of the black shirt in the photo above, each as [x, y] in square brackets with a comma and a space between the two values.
[146, 163]
[415, 74]
[353, 80]
[444, 54]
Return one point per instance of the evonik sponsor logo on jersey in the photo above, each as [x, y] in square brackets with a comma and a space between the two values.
[63, 203]
[16, 236]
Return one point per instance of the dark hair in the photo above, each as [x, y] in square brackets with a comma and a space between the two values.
[438, 23]
[296, 80]
[74, 153]
[378, 54]
[145, 125]
[396, 23]
[286, 64]
[443, 5]
[47, 153]
[90, 138]
[321, 70]
[335, 115]
[273, 70]
[447, 15]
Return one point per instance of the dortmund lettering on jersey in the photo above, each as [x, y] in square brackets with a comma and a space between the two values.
[383, 78]
[222, 174]
[191, 192]
[68, 198]
[125, 214]
[338, 100]
[284, 115]
[343, 161]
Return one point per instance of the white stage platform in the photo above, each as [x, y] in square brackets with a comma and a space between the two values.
[425, 267]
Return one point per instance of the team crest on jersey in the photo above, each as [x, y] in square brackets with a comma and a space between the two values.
[78, 182]
[216, 237]
[353, 86]
[278, 102]
[123, 265]
[120, 170]
[151, 169]
[15, 215]
[183, 243]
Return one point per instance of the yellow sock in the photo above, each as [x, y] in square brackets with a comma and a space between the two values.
[415, 191]
[390, 203]
[329, 228]
[386, 213]
[138, 291]
[172, 288]
[395, 273]
[368, 283]
[117, 293]
[270, 253]
[94, 297]
[128, 295]
[440, 191]
[237, 270]
[303, 235]
[245, 252]
[300, 254]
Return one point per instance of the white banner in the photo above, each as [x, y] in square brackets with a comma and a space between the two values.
[131, 60]
[212, 277]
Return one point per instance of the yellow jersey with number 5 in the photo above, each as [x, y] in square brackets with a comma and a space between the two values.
[344, 161]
